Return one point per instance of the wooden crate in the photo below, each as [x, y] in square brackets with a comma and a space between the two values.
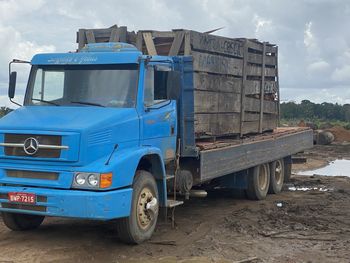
[235, 80]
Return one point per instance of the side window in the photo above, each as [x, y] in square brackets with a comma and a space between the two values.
[49, 85]
[149, 87]
[155, 86]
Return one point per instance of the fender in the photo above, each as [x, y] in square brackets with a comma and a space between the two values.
[124, 163]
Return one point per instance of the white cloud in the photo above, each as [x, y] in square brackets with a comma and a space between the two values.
[313, 38]
[341, 74]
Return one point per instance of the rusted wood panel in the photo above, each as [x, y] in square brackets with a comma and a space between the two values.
[175, 47]
[253, 87]
[244, 81]
[216, 64]
[252, 44]
[254, 126]
[216, 124]
[257, 71]
[262, 90]
[253, 105]
[90, 37]
[249, 116]
[217, 44]
[216, 102]
[81, 39]
[257, 59]
[151, 49]
[187, 44]
[220, 83]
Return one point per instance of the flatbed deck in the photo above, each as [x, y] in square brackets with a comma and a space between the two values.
[224, 157]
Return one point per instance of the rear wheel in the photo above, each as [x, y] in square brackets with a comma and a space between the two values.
[20, 222]
[276, 176]
[140, 225]
[258, 182]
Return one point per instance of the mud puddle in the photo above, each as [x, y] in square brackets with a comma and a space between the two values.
[334, 168]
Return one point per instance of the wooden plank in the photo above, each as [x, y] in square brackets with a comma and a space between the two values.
[244, 80]
[114, 37]
[257, 59]
[217, 44]
[90, 37]
[253, 126]
[218, 124]
[122, 33]
[216, 102]
[250, 116]
[206, 102]
[216, 64]
[257, 71]
[253, 87]
[139, 41]
[262, 90]
[175, 47]
[187, 45]
[220, 83]
[255, 45]
[271, 49]
[278, 91]
[151, 49]
[253, 105]
[81, 39]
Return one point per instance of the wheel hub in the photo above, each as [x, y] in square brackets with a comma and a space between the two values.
[147, 207]
[278, 172]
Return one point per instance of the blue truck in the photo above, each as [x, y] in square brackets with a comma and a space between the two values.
[109, 133]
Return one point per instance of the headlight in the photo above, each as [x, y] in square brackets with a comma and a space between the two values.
[80, 178]
[93, 179]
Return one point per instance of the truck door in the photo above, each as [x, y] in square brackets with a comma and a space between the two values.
[158, 120]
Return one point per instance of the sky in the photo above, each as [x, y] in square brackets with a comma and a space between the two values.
[313, 35]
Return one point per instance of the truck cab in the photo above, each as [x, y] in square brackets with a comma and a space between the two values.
[92, 140]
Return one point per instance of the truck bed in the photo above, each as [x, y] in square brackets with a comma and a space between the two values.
[227, 156]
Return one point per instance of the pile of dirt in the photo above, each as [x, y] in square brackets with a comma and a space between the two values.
[340, 133]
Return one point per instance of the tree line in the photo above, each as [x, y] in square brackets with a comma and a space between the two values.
[310, 111]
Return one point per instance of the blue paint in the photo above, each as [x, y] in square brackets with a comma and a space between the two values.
[77, 204]
[91, 134]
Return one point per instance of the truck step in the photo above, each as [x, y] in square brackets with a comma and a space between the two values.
[173, 203]
[169, 176]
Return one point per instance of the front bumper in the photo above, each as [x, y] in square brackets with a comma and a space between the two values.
[71, 203]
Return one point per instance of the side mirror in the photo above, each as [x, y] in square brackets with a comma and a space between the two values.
[12, 84]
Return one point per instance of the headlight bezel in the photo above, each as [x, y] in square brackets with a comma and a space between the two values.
[99, 178]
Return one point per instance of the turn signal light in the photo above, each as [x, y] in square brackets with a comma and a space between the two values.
[106, 180]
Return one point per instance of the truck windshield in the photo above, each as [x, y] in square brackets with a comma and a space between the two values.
[83, 85]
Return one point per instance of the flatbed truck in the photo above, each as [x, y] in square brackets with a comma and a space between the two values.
[108, 133]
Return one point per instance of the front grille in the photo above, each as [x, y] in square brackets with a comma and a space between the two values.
[42, 139]
[38, 208]
[32, 175]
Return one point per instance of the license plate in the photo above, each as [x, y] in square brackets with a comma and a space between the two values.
[26, 198]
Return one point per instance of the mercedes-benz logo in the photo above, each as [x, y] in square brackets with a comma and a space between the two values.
[31, 146]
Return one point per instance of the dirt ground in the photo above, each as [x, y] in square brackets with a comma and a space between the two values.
[294, 226]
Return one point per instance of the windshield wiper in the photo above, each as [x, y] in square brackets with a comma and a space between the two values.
[46, 101]
[87, 103]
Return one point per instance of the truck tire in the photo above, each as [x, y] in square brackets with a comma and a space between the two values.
[21, 222]
[258, 182]
[287, 168]
[140, 225]
[276, 176]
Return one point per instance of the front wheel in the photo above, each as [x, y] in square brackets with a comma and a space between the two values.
[21, 222]
[258, 182]
[140, 225]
